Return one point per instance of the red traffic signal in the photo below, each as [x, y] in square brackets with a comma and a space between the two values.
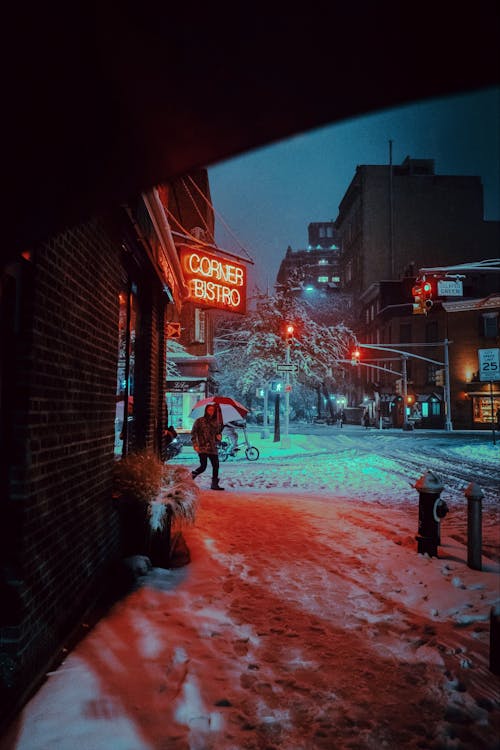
[422, 296]
[355, 355]
[290, 329]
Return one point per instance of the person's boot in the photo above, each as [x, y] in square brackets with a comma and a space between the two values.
[216, 486]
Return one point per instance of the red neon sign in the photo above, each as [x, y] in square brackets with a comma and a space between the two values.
[214, 281]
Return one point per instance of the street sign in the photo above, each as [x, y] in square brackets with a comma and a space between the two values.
[287, 368]
[450, 288]
[489, 364]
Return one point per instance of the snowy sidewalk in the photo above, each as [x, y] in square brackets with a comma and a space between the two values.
[300, 624]
[306, 620]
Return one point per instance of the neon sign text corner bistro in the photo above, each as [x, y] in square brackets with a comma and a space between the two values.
[214, 281]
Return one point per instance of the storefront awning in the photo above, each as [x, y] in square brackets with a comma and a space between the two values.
[183, 385]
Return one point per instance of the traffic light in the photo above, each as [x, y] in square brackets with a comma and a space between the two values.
[440, 377]
[418, 300]
[399, 386]
[289, 330]
[428, 291]
[422, 293]
[410, 399]
[355, 355]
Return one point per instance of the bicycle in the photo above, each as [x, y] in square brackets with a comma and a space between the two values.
[226, 449]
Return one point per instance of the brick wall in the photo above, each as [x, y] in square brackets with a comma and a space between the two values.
[58, 512]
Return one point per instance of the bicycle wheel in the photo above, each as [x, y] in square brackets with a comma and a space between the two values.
[252, 453]
[223, 451]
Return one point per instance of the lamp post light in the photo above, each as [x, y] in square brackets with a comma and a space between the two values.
[285, 440]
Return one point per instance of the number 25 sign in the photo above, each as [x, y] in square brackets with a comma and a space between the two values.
[489, 364]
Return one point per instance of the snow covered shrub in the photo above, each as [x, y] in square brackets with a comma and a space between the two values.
[142, 477]
[179, 490]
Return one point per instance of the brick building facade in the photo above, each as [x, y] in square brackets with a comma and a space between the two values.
[74, 310]
[393, 220]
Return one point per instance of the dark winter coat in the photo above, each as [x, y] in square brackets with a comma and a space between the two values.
[205, 434]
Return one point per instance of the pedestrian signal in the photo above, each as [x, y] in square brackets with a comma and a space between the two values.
[440, 377]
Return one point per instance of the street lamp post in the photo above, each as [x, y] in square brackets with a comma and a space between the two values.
[285, 440]
[447, 398]
[265, 425]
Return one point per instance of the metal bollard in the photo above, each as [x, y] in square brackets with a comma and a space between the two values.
[474, 495]
[430, 511]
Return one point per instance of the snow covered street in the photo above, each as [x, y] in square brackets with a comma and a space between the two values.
[305, 620]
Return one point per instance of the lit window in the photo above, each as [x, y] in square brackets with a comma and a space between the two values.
[323, 262]
[322, 279]
[199, 325]
[336, 279]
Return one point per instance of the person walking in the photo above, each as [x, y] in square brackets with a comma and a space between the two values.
[205, 434]
[366, 419]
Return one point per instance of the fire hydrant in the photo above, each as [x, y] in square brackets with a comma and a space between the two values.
[431, 509]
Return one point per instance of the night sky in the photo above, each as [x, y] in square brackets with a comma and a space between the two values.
[268, 197]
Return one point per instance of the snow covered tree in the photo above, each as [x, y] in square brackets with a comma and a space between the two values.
[249, 349]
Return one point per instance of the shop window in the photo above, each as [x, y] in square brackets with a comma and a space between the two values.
[322, 279]
[485, 408]
[489, 325]
[125, 379]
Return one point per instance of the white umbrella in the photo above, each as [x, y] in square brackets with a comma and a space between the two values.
[229, 409]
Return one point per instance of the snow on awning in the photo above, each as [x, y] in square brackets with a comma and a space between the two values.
[491, 302]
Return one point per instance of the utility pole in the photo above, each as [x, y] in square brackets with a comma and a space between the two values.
[447, 397]
[405, 390]
[391, 212]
